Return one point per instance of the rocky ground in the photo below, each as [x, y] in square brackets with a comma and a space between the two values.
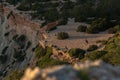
[11, 45]
[87, 70]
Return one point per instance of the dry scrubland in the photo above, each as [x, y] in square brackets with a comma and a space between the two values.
[76, 39]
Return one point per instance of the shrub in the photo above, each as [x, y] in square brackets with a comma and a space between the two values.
[52, 15]
[47, 61]
[22, 7]
[76, 52]
[98, 25]
[81, 28]
[92, 47]
[40, 52]
[112, 30]
[112, 58]
[15, 75]
[110, 46]
[96, 55]
[11, 1]
[62, 35]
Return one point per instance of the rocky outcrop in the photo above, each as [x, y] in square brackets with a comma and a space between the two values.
[87, 70]
[18, 39]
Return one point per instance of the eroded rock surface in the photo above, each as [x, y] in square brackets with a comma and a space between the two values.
[87, 70]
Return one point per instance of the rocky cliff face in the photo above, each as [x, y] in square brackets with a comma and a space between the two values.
[18, 40]
[81, 71]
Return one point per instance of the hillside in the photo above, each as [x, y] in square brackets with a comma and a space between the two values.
[81, 71]
[59, 39]
[18, 40]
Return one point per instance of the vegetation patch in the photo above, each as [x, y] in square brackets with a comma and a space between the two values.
[92, 48]
[46, 61]
[62, 35]
[81, 28]
[77, 52]
[96, 55]
[15, 75]
[40, 52]
[114, 29]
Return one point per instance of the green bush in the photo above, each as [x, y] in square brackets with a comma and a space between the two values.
[113, 50]
[22, 7]
[14, 75]
[40, 52]
[114, 29]
[96, 55]
[92, 48]
[112, 58]
[11, 1]
[62, 35]
[81, 28]
[76, 52]
[46, 61]
[98, 25]
[51, 15]
[110, 46]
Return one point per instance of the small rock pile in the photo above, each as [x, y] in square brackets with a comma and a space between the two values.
[97, 70]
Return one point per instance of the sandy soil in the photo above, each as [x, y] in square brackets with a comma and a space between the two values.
[77, 39]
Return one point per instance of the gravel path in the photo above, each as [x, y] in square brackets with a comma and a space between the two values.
[77, 39]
